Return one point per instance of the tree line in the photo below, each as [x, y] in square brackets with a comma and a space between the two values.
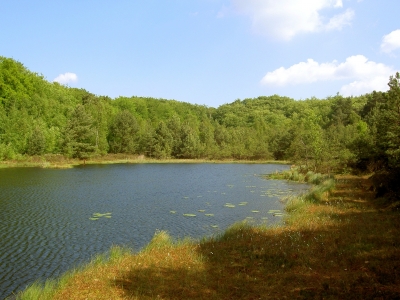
[38, 117]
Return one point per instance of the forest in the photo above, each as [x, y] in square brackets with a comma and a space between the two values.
[335, 134]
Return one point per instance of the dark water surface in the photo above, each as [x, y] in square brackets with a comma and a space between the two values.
[45, 226]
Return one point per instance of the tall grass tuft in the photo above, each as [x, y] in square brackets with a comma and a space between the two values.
[161, 239]
[320, 191]
[234, 231]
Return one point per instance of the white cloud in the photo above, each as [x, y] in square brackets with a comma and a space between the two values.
[365, 75]
[391, 41]
[284, 19]
[66, 78]
[341, 20]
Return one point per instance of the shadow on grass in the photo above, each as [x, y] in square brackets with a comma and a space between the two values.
[356, 255]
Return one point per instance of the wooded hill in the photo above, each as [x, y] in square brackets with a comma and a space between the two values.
[38, 117]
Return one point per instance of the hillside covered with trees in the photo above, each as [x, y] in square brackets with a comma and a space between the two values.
[38, 118]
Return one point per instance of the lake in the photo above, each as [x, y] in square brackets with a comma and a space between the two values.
[52, 220]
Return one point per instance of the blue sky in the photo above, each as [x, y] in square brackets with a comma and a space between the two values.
[207, 52]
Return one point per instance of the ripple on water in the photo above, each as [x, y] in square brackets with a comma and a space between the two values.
[45, 227]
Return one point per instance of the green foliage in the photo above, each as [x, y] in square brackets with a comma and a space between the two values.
[123, 132]
[79, 135]
[36, 142]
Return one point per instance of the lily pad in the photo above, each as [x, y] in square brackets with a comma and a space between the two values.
[202, 210]
[255, 211]
[172, 211]
[97, 215]
[189, 215]
[214, 226]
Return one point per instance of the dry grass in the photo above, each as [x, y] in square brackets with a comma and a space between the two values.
[341, 247]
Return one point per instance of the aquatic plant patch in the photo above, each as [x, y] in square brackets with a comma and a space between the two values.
[97, 216]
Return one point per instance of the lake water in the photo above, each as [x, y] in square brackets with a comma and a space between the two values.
[46, 215]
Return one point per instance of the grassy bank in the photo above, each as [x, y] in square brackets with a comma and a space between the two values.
[338, 243]
[62, 162]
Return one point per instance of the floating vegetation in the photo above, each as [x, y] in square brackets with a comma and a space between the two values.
[249, 218]
[274, 211]
[278, 214]
[209, 215]
[172, 211]
[214, 226]
[97, 216]
[230, 205]
[186, 197]
[189, 215]
[201, 210]
[255, 211]
[223, 193]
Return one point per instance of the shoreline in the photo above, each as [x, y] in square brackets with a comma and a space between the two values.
[61, 162]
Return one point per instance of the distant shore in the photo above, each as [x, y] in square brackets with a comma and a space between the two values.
[56, 161]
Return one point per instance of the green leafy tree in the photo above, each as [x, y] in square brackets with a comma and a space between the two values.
[36, 142]
[390, 123]
[163, 141]
[123, 132]
[79, 137]
[308, 144]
